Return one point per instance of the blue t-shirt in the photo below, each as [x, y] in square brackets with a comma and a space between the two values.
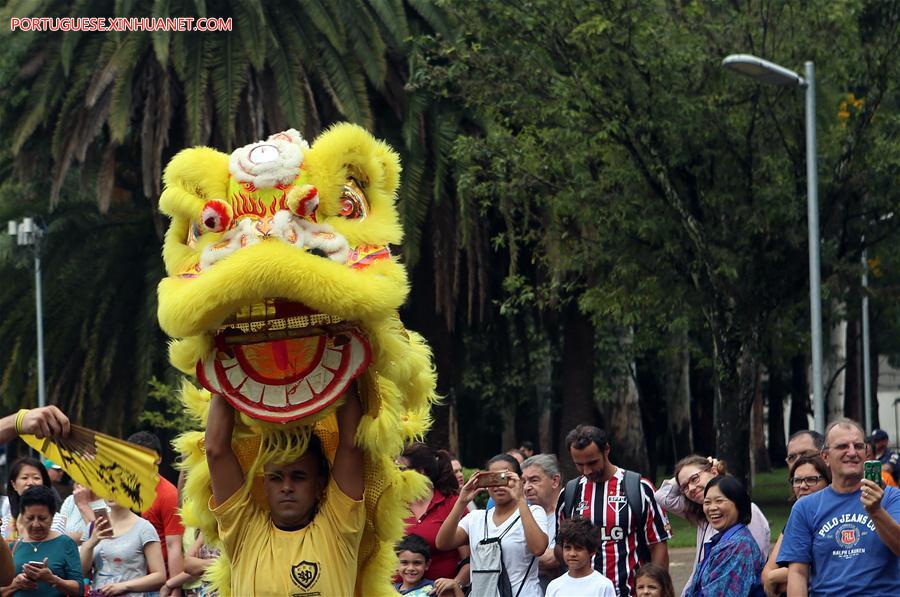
[832, 533]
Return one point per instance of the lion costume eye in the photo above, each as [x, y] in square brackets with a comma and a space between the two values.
[353, 203]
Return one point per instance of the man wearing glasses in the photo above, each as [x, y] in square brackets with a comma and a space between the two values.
[803, 442]
[845, 539]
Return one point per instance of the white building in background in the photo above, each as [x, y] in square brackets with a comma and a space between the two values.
[889, 399]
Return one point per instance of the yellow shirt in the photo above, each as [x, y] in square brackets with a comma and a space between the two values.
[319, 560]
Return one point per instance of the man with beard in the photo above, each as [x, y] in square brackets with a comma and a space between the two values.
[633, 528]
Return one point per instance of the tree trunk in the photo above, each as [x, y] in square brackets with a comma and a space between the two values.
[676, 389]
[735, 387]
[760, 456]
[776, 394]
[799, 395]
[835, 363]
[853, 378]
[544, 398]
[625, 428]
[576, 381]
[508, 437]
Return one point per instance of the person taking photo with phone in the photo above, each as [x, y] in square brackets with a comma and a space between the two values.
[845, 539]
[46, 561]
[506, 540]
[123, 554]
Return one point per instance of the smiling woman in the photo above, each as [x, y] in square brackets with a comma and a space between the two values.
[683, 496]
[732, 562]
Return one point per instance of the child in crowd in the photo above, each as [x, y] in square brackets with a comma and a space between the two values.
[653, 581]
[578, 538]
[414, 558]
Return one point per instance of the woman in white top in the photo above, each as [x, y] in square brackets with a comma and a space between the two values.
[521, 530]
[123, 554]
[24, 473]
[683, 495]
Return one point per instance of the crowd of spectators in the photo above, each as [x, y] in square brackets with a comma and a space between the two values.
[603, 533]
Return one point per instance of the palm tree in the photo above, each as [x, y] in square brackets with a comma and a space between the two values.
[91, 118]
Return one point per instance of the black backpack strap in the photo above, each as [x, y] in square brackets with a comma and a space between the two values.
[525, 578]
[635, 497]
[569, 497]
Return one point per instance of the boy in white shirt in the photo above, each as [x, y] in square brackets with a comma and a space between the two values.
[578, 538]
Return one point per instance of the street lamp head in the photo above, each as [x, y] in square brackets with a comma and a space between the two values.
[762, 70]
[12, 228]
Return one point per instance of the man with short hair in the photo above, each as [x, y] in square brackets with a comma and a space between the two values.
[543, 485]
[314, 520]
[805, 441]
[890, 459]
[633, 528]
[845, 539]
[163, 513]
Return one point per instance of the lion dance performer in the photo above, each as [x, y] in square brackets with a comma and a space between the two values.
[282, 297]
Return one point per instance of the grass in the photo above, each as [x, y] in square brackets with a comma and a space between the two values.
[770, 494]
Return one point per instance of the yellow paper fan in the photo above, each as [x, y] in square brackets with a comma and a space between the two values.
[113, 468]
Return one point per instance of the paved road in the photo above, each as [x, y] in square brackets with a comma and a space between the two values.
[681, 560]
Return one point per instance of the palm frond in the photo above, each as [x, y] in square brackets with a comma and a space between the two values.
[392, 19]
[325, 22]
[229, 76]
[346, 85]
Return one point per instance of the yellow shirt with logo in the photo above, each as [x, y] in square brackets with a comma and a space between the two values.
[318, 560]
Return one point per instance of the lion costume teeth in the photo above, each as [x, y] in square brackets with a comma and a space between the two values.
[281, 291]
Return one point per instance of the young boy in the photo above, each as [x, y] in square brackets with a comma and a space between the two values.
[414, 556]
[578, 538]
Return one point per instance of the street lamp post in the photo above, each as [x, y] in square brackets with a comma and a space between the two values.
[29, 234]
[773, 74]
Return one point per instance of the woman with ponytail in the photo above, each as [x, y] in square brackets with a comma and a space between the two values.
[429, 513]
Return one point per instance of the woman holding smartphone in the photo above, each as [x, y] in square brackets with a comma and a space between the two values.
[121, 550]
[518, 528]
[46, 561]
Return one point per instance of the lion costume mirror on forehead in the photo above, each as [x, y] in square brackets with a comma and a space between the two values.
[282, 291]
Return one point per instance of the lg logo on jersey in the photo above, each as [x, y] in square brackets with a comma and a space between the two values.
[611, 534]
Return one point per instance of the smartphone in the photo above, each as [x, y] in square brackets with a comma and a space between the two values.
[872, 472]
[37, 564]
[492, 480]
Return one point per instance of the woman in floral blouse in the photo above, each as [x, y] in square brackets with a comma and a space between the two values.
[732, 561]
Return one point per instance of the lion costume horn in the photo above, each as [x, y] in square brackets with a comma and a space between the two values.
[280, 292]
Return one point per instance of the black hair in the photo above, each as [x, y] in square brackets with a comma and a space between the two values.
[14, 470]
[434, 464]
[584, 435]
[818, 438]
[147, 440]
[512, 462]
[527, 445]
[734, 490]
[415, 544]
[579, 532]
[39, 495]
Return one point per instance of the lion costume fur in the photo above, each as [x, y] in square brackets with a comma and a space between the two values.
[281, 222]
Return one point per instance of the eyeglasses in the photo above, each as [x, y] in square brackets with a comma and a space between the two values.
[808, 481]
[859, 447]
[692, 480]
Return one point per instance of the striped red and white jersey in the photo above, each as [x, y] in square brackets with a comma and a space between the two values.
[617, 555]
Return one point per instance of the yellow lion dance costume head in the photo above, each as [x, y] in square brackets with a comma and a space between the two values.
[281, 291]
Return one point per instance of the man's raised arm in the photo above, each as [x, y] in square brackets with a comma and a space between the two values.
[224, 468]
[348, 459]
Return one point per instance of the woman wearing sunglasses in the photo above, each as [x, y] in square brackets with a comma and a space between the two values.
[683, 495]
[809, 474]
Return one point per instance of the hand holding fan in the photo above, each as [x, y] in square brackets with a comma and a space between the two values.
[113, 468]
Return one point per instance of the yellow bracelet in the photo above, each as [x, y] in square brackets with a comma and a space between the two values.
[19, 417]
